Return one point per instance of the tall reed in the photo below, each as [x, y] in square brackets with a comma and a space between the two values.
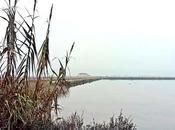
[25, 100]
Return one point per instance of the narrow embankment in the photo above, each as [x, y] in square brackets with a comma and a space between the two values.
[74, 81]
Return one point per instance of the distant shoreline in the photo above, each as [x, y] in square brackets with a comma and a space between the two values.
[75, 81]
[79, 78]
[138, 78]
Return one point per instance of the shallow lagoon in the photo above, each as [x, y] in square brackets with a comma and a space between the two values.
[151, 104]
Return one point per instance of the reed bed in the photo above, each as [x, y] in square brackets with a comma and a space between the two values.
[22, 100]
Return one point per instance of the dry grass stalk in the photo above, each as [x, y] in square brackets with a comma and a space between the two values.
[23, 101]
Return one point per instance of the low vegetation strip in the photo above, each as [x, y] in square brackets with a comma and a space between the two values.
[76, 122]
[137, 78]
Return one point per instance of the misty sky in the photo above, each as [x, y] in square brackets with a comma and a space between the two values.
[113, 37]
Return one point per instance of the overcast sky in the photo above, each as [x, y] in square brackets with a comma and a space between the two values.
[113, 37]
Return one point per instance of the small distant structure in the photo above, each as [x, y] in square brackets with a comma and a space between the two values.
[83, 74]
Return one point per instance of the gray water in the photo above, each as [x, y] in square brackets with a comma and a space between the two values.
[151, 104]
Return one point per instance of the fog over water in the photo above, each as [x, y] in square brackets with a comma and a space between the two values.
[112, 37]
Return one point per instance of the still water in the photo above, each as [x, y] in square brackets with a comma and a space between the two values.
[151, 104]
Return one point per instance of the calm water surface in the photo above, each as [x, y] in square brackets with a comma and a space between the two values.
[151, 104]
